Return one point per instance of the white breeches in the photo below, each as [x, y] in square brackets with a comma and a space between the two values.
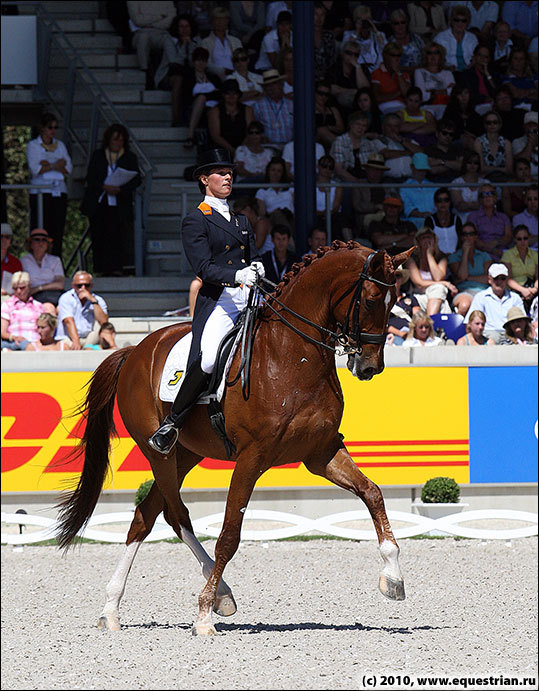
[227, 309]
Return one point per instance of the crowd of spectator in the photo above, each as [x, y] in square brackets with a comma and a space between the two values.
[434, 103]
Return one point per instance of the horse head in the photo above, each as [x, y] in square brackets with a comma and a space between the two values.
[364, 316]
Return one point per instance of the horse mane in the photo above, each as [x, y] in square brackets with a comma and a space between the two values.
[308, 260]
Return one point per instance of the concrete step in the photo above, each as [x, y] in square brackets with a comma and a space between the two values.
[160, 134]
[134, 115]
[164, 246]
[171, 170]
[163, 227]
[109, 41]
[99, 60]
[106, 77]
[86, 26]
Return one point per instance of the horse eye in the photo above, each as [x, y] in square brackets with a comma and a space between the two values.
[370, 304]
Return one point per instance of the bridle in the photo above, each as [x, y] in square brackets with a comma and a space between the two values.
[350, 338]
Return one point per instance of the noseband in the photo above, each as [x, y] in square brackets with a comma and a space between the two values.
[350, 338]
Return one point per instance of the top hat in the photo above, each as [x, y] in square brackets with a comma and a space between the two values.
[212, 158]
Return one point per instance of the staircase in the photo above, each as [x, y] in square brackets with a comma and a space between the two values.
[147, 114]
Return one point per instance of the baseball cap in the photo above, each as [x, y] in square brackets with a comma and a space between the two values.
[496, 270]
[531, 116]
[6, 229]
[420, 161]
[393, 201]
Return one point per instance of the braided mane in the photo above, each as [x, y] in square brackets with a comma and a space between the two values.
[308, 260]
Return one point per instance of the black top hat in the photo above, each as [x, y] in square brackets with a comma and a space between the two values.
[213, 158]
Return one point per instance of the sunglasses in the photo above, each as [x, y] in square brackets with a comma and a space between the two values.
[401, 22]
[82, 285]
[491, 122]
[460, 20]
[52, 127]
[442, 199]
[244, 59]
[433, 52]
[254, 132]
[522, 239]
[468, 235]
[325, 165]
[447, 133]
[351, 52]
[26, 285]
[395, 55]
[39, 239]
[473, 162]
[323, 93]
[488, 194]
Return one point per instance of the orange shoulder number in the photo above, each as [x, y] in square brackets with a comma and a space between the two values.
[205, 208]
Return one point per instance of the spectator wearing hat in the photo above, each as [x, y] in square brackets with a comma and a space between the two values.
[10, 263]
[367, 202]
[495, 302]
[493, 226]
[19, 314]
[526, 146]
[274, 111]
[220, 44]
[418, 201]
[47, 278]
[274, 42]
[49, 163]
[391, 233]
[280, 258]
[228, 121]
[518, 329]
[80, 312]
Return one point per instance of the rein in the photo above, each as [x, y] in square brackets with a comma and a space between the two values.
[349, 331]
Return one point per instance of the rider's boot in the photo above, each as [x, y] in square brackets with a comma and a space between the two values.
[195, 383]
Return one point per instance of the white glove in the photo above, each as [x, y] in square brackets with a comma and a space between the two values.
[259, 268]
[246, 276]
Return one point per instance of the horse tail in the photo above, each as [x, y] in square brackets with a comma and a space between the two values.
[97, 409]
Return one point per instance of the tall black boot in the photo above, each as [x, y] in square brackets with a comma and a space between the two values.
[195, 383]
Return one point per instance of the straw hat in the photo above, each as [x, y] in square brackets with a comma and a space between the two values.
[403, 273]
[271, 76]
[513, 314]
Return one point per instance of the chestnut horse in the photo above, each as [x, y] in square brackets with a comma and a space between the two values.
[339, 297]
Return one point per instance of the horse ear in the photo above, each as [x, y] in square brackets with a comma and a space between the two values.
[403, 257]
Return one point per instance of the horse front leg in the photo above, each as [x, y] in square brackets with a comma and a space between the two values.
[343, 472]
[239, 493]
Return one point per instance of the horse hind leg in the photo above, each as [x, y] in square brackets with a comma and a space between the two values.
[343, 472]
[141, 526]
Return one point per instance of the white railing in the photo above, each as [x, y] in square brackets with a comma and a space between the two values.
[297, 525]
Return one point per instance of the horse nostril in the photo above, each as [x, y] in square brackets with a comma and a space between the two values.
[369, 372]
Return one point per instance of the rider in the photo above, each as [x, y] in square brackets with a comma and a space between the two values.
[220, 247]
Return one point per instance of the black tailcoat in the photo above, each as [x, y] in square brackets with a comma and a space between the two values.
[216, 249]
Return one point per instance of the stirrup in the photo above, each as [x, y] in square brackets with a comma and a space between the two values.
[159, 441]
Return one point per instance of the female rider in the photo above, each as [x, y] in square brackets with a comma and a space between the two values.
[220, 247]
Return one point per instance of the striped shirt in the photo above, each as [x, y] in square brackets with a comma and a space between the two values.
[277, 118]
[22, 317]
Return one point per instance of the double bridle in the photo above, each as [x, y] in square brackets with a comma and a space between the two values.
[349, 338]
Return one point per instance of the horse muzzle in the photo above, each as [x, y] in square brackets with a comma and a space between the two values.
[364, 368]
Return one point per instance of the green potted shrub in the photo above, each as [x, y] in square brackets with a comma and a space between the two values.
[142, 491]
[440, 496]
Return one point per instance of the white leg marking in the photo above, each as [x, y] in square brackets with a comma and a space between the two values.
[390, 555]
[204, 559]
[110, 617]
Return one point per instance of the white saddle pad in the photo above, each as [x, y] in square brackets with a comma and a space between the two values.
[175, 366]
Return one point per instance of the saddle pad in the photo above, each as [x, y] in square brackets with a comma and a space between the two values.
[175, 365]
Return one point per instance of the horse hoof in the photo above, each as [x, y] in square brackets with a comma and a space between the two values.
[225, 606]
[108, 623]
[202, 629]
[392, 589]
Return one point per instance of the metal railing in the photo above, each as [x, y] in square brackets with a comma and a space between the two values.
[51, 37]
[191, 187]
[41, 189]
